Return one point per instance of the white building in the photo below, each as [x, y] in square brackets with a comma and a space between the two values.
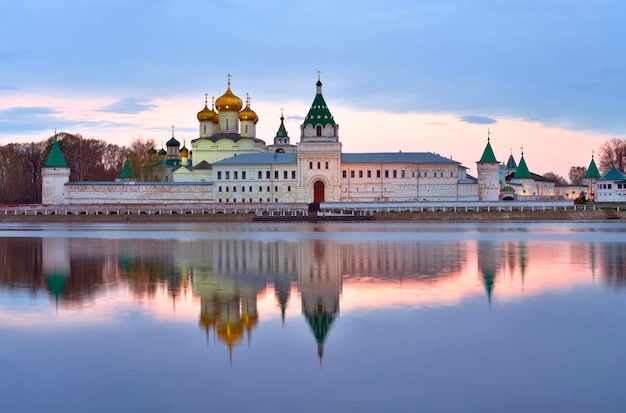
[230, 164]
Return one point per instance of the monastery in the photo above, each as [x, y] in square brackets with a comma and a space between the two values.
[228, 163]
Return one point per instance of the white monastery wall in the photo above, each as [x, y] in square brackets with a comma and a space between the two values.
[136, 193]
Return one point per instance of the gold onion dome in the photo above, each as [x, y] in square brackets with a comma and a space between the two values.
[228, 102]
[247, 113]
[207, 114]
[184, 152]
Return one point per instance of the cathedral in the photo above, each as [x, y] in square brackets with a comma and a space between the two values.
[228, 163]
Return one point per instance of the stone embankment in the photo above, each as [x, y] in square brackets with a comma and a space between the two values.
[291, 213]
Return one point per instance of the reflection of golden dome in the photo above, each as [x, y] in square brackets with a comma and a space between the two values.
[230, 334]
[247, 113]
[228, 102]
[250, 320]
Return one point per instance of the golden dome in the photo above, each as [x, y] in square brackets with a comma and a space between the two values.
[184, 153]
[207, 114]
[247, 113]
[228, 102]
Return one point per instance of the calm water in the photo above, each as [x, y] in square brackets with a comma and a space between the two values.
[334, 318]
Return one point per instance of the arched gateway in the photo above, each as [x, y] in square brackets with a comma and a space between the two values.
[318, 191]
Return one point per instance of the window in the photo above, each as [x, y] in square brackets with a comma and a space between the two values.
[250, 190]
[345, 174]
[219, 189]
[326, 165]
[268, 189]
[275, 189]
[360, 174]
[204, 129]
[243, 174]
[395, 173]
[310, 165]
[369, 174]
[220, 200]
[451, 174]
[351, 174]
[275, 174]
[285, 175]
[243, 189]
[260, 188]
[219, 175]
[378, 174]
[293, 174]
[318, 130]
[227, 175]
[234, 189]
[288, 188]
[235, 175]
[402, 174]
[260, 175]
[319, 165]
[226, 189]
[268, 175]
[386, 173]
[425, 174]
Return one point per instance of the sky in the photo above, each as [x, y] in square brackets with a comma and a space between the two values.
[548, 76]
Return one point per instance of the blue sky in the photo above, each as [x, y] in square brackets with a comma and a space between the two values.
[556, 63]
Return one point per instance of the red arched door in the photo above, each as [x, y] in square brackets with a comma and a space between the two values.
[318, 191]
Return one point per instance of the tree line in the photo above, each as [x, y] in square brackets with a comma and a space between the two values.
[89, 160]
[96, 160]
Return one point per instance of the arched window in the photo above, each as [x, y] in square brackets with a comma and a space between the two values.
[318, 130]
[204, 129]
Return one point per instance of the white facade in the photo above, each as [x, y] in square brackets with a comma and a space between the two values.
[233, 166]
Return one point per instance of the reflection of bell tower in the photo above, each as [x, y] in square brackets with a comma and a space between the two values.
[56, 264]
[320, 287]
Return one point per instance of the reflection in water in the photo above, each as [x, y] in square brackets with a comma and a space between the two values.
[408, 317]
[227, 276]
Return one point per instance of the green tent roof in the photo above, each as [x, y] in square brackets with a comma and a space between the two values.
[592, 171]
[282, 131]
[56, 284]
[510, 163]
[488, 156]
[522, 171]
[55, 157]
[319, 113]
[127, 171]
[613, 173]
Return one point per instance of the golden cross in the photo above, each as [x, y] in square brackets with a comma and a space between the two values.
[229, 76]
[206, 96]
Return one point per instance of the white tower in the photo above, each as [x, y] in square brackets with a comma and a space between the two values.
[54, 175]
[488, 175]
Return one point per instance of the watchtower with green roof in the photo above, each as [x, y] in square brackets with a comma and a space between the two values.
[488, 168]
[591, 177]
[54, 175]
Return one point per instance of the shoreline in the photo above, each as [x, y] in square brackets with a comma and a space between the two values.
[440, 216]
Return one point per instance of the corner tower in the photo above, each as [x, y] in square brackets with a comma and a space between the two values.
[488, 174]
[54, 175]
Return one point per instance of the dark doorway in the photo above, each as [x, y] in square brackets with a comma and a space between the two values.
[318, 191]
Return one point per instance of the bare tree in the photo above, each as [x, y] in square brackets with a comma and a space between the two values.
[576, 174]
[141, 158]
[555, 177]
[612, 155]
